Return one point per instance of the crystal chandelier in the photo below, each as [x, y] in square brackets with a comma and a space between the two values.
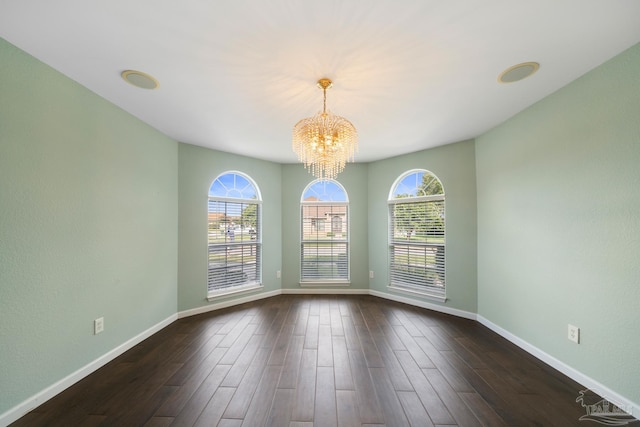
[325, 142]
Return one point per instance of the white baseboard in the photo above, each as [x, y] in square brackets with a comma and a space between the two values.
[424, 304]
[29, 404]
[593, 385]
[229, 303]
[36, 400]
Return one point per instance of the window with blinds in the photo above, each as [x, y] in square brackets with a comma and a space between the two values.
[417, 234]
[325, 233]
[234, 235]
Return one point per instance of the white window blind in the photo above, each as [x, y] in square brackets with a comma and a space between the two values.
[324, 233]
[234, 235]
[234, 251]
[325, 244]
[417, 234]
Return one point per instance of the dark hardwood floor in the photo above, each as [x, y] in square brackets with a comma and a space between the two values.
[303, 361]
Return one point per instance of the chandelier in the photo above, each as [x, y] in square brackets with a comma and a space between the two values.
[325, 142]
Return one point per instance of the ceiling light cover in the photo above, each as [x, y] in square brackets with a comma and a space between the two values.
[518, 72]
[140, 79]
[325, 142]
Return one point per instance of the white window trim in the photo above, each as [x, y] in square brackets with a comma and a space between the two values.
[410, 291]
[334, 282]
[249, 287]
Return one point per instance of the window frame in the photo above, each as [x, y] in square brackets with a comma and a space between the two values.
[230, 246]
[403, 277]
[328, 224]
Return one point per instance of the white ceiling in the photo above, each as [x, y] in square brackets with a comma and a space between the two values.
[236, 75]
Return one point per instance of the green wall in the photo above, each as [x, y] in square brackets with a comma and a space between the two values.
[559, 224]
[100, 215]
[295, 179]
[88, 226]
[454, 165]
[198, 168]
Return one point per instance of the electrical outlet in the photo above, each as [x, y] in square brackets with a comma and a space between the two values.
[370, 274]
[98, 325]
[278, 274]
[574, 334]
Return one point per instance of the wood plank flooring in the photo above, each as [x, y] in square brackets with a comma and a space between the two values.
[315, 361]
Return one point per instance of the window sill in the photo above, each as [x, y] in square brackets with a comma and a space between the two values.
[235, 290]
[425, 293]
[325, 283]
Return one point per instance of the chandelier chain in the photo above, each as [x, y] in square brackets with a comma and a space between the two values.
[324, 103]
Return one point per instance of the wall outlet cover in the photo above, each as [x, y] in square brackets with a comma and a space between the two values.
[98, 325]
[573, 334]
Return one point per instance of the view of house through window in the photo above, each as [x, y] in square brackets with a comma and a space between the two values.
[417, 234]
[325, 233]
[234, 235]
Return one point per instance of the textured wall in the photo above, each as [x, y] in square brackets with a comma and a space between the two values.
[559, 224]
[454, 164]
[198, 168]
[88, 222]
[101, 216]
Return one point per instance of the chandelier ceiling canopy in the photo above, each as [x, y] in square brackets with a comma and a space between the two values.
[325, 142]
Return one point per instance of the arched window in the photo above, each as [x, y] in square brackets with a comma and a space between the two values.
[417, 234]
[324, 209]
[234, 235]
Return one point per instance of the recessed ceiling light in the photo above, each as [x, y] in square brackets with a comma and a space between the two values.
[518, 72]
[140, 79]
